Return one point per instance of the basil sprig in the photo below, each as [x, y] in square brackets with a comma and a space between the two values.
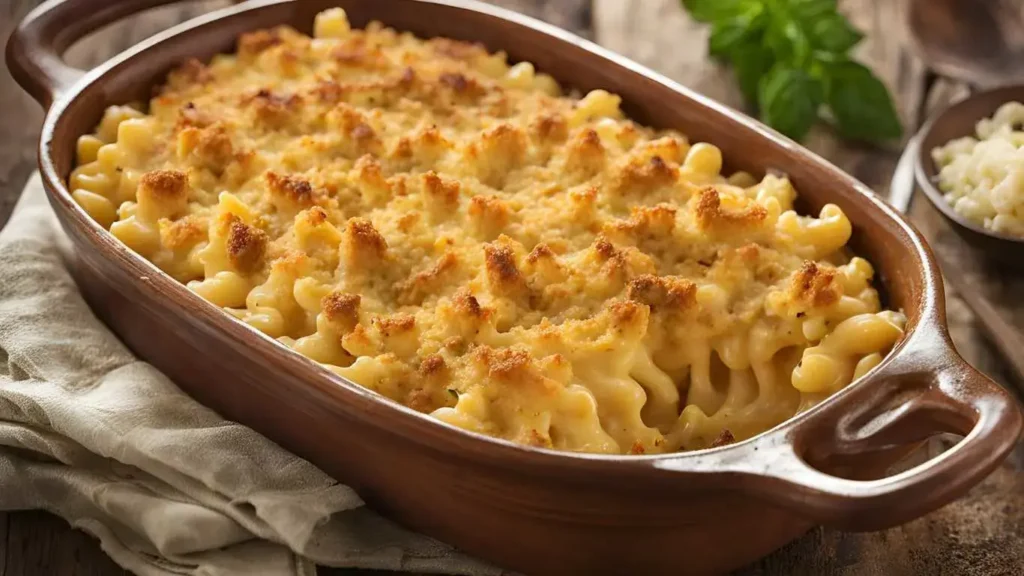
[791, 58]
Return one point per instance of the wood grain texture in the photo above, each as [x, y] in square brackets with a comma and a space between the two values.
[982, 534]
[5, 519]
[39, 543]
[572, 15]
[19, 118]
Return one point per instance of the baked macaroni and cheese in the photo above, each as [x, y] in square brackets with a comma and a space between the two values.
[457, 235]
[983, 178]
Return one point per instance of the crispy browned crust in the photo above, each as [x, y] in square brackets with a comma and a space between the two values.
[505, 142]
[710, 215]
[184, 232]
[445, 192]
[432, 366]
[586, 153]
[246, 245]
[425, 145]
[663, 293]
[215, 147]
[210, 147]
[362, 243]
[190, 72]
[191, 116]
[507, 364]
[271, 109]
[370, 175]
[496, 152]
[639, 175]
[535, 438]
[669, 148]
[355, 52]
[540, 252]
[421, 400]
[605, 249]
[414, 289]
[584, 203]
[490, 213]
[316, 216]
[395, 324]
[647, 222]
[292, 190]
[457, 49]
[461, 85]
[341, 309]
[503, 274]
[627, 314]
[251, 44]
[815, 286]
[550, 128]
[355, 125]
[468, 306]
[164, 185]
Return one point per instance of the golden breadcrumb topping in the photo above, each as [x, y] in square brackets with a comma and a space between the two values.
[457, 234]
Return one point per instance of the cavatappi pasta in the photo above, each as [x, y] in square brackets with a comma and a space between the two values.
[453, 233]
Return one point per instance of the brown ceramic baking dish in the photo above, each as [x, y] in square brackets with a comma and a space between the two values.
[531, 509]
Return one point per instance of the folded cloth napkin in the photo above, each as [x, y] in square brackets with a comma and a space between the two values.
[91, 433]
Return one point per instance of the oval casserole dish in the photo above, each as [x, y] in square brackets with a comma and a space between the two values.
[530, 509]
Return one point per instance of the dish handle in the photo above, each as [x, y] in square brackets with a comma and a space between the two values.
[930, 390]
[36, 47]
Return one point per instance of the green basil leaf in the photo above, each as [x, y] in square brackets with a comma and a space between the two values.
[788, 42]
[751, 62]
[860, 103]
[789, 99]
[833, 33]
[811, 9]
[710, 11]
[727, 34]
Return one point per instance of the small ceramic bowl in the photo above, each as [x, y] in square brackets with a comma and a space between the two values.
[957, 121]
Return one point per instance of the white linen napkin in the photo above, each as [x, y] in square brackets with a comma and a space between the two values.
[91, 433]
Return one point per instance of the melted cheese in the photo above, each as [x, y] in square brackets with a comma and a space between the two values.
[454, 233]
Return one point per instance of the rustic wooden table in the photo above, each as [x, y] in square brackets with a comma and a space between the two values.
[981, 534]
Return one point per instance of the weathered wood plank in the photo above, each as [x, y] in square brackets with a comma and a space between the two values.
[40, 543]
[4, 521]
[572, 15]
[19, 124]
